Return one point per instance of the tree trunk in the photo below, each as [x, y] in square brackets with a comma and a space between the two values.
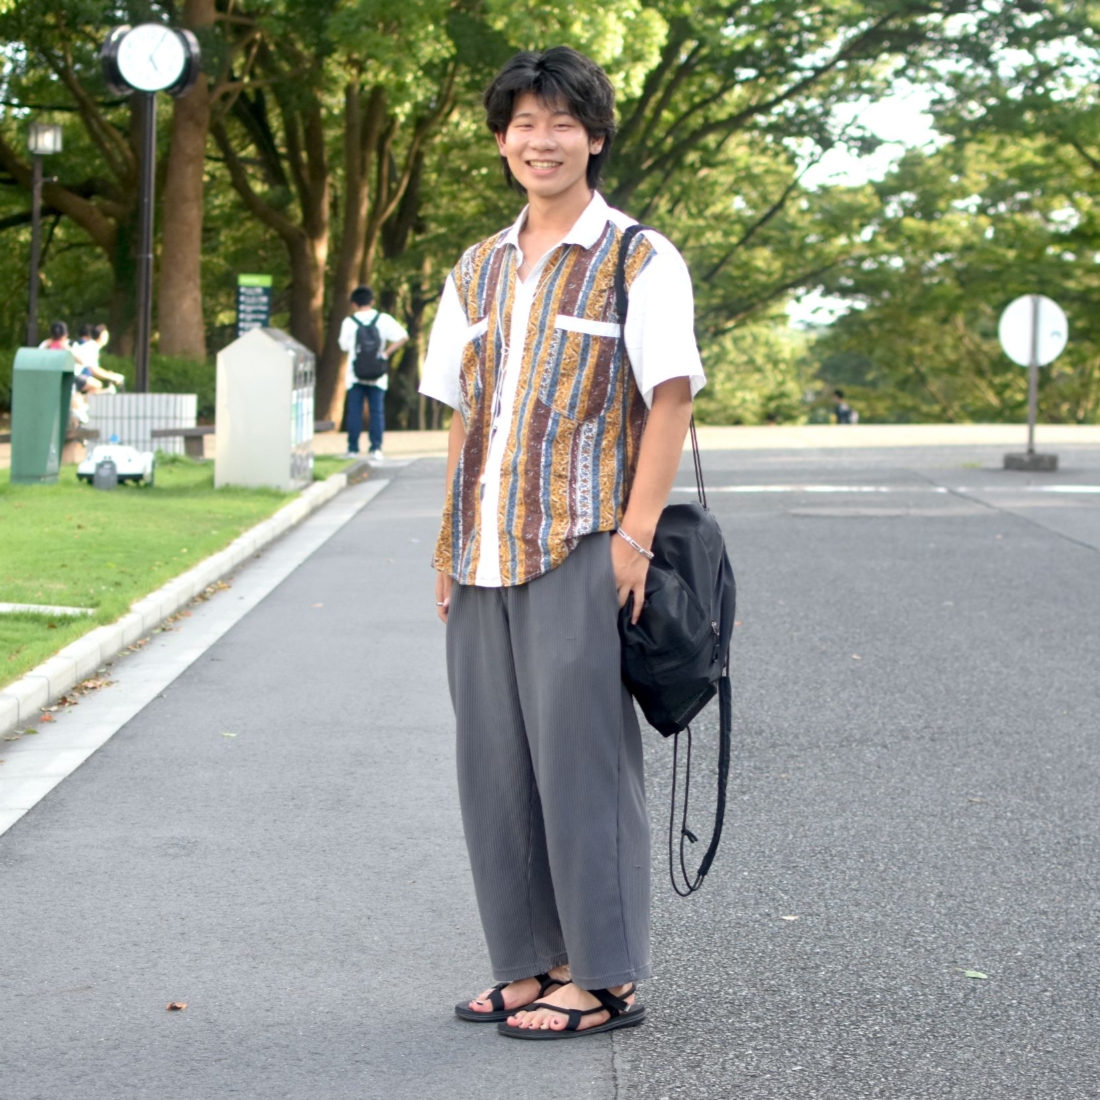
[179, 302]
[307, 289]
[361, 127]
[408, 413]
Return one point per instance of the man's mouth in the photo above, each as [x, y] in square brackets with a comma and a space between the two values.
[543, 163]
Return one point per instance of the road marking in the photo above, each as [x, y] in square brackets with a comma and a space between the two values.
[34, 765]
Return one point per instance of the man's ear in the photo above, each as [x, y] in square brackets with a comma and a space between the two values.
[500, 143]
[595, 146]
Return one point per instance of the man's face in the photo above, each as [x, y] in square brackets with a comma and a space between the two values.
[547, 149]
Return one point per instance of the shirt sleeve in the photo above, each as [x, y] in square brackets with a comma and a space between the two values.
[442, 369]
[660, 322]
[391, 328]
[347, 335]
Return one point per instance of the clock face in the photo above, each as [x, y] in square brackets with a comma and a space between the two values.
[151, 57]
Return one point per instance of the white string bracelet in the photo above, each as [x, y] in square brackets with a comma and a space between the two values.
[637, 545]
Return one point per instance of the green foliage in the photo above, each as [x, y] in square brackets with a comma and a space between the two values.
[757, 374]
[173, 374]
[959, 235]
[721, 109]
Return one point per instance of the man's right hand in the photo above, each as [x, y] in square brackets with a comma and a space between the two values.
[443, 584]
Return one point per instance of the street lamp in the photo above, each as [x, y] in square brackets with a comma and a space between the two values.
[44, 138]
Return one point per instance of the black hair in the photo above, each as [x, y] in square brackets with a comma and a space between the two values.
[58, 329]
[362, 296]
[85, 332]
[560, 77]
[839, 393]
[98, 330]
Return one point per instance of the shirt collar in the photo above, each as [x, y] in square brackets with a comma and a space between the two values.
[586, 231]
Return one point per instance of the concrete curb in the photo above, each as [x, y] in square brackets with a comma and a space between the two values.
[20, 702]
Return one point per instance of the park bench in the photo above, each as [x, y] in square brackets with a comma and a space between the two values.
[72, 437]
[193, 437]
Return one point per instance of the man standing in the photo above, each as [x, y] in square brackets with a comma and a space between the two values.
[385, 336]
[563, 447]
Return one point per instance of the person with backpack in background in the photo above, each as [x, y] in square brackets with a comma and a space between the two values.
[369, 337]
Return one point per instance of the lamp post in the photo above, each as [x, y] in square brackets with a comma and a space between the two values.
[44, 138]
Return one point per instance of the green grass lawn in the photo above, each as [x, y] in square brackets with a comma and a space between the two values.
[70, 545]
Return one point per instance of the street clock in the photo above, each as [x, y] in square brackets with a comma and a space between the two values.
[150, 58]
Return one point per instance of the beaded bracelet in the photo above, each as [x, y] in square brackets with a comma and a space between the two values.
[637, 545]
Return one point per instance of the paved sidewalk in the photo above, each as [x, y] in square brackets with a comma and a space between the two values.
[914, 781]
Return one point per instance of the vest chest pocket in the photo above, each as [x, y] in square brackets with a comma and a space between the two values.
[582, 363]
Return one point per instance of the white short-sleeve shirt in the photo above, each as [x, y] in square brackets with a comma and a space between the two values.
[389, 328]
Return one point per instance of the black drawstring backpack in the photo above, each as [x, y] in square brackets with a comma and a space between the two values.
[675, 659]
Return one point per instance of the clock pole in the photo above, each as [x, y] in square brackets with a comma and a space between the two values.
[145, 247]
[129, 58]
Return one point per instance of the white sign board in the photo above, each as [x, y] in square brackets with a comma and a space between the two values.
[1033, 329]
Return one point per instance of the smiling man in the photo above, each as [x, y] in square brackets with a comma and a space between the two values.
[566, 438]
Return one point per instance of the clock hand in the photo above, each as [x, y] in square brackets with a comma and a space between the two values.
[156, 49]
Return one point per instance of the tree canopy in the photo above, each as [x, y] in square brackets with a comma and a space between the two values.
[331, 142]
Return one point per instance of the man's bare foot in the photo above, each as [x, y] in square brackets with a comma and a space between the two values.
[568, 996]
[519, 993]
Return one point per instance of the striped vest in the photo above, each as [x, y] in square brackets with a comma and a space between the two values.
[578, 416]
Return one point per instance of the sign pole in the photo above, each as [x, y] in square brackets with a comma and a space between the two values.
[1033, 376]
[1033, 332]
[145, 248]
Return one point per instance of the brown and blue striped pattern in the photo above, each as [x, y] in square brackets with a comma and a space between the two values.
[578, 417]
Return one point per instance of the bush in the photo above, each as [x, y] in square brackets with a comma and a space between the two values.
[757, 374]
[172, 374]
[167, 374]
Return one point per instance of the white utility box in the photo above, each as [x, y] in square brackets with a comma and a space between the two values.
[264, 418]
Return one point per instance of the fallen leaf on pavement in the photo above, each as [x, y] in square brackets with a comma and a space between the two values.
[176, 1006]
[975, 974]
[228, 734]
[792, 916]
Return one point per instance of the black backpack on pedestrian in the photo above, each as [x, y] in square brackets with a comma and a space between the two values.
[675, 659]
[368, 364]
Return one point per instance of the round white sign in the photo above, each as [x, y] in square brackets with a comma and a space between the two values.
[1033, 329]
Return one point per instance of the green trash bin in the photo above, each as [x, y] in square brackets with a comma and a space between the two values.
[41, 392]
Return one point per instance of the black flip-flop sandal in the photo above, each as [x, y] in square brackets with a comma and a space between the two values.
[622, 1015]
[496, 998]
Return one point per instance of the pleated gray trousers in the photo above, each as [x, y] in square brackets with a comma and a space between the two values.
[550, 776]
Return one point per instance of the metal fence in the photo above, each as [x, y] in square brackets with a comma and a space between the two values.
[133, 416]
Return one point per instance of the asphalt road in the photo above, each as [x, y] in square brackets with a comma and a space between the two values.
[914, 796]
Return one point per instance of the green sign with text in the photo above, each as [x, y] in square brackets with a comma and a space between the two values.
[253, 302]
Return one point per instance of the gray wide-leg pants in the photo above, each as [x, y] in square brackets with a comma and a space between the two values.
[550, 773]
